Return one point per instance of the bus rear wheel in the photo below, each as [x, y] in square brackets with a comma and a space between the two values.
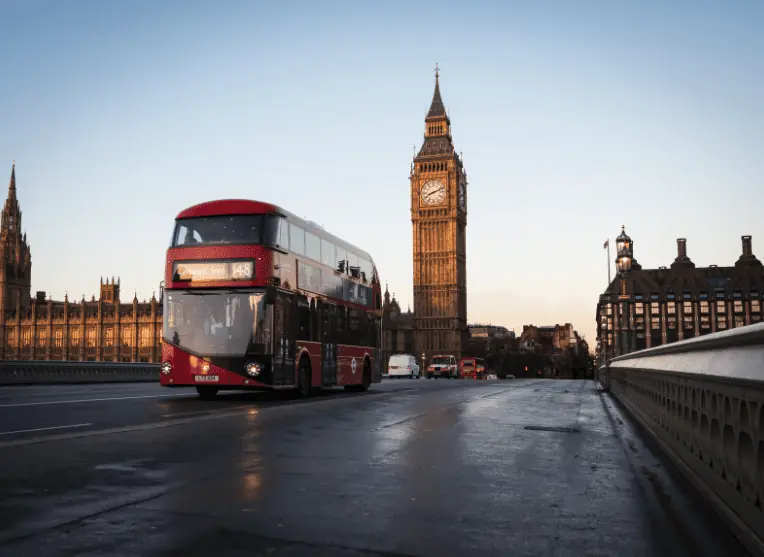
[303, 378]
[366, 381]
[207, 393]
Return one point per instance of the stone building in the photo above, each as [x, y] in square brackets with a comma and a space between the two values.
[438, 183]
[89, 330]
[551, 339]
[668, 304]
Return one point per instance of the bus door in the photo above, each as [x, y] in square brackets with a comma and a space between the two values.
[284, 340]
[328, 347]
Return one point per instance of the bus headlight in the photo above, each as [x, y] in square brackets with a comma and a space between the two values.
[166, 368]
[253, 370]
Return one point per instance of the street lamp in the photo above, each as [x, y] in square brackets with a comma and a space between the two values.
[161, 290]
[623, 261]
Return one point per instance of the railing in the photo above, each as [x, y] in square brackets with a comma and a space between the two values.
[703, 400]
[52, 371]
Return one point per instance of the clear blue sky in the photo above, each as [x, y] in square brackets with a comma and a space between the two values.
[573, 117]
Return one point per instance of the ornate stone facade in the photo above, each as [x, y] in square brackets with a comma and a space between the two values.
[668, 304]
[38, 329]
[439, 220]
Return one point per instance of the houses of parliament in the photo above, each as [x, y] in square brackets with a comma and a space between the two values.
[36, 328]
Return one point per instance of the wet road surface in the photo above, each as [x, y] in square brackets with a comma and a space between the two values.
[413, 467]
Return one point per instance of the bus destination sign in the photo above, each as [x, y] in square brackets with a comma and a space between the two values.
[214, 271]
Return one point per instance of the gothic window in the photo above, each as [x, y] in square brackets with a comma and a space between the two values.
[42, 338]
[146, 340]
[704, 308]
[639, 308]
[127, 336]
[58, 337]
[721, 307]
[687, 308]
[655, 308]
[108, 337]
[92, 337]
[738, 306]
[755, 306]
[671, 308]
[74, 336]
[739, 320]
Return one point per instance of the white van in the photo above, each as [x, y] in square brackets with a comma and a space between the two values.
[403, 365]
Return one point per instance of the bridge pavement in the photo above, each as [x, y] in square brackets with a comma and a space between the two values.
[524, 467]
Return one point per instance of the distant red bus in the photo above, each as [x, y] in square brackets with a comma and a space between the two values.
[472, 368]
[258, 298]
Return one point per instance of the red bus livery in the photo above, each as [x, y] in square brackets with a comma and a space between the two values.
[258, 298]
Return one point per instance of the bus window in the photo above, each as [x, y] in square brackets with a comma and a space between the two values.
[231, 230]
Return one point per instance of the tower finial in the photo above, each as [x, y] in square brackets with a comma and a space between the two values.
[437, 71]
[12, 183]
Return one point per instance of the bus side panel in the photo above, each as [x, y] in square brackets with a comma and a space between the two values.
[350, 373]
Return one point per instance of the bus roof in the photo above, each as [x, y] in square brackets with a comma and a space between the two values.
[223, 207]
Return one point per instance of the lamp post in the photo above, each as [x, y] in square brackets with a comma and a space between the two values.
[624, 258]
[161, 290]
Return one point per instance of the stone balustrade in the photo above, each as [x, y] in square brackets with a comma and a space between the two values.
[51, 371]
[702, 399]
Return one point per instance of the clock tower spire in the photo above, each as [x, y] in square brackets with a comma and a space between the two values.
[439, 219]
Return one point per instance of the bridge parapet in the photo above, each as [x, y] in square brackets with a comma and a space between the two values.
[52, 371]
[703, 400]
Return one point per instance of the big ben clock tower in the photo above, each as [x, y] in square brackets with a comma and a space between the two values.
[439, 219]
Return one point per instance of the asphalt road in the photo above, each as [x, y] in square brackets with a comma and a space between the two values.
[413, 467]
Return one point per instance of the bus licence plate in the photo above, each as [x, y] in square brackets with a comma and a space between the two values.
[207, 378]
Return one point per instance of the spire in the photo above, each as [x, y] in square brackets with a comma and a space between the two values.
[437, 108]
[12, 183]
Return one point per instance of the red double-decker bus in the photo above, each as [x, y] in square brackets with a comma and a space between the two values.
[258, 298]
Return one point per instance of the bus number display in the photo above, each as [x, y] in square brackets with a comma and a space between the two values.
[214, 271]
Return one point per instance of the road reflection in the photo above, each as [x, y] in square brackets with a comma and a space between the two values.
[251, 461]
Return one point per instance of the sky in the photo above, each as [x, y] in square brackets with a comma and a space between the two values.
[573, 118]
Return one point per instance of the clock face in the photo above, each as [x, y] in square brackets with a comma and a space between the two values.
[433, 193]
[462, 196]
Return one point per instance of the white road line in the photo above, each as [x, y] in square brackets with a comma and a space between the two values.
[17, 405]
[42, 429]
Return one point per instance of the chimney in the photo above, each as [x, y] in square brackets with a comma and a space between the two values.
[681, 248]
[747, 247]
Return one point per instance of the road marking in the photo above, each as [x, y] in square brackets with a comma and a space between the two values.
[20, 404]
[238, 411]
[42, 429]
